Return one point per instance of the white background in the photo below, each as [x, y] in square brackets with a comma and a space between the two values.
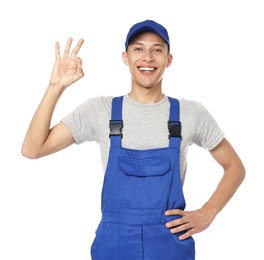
[50, 208]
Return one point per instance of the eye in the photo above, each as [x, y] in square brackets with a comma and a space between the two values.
[138, 49]
[157, 50]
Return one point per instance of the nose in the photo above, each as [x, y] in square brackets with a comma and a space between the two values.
[148, 56]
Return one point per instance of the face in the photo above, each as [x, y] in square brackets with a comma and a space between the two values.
[147, 57]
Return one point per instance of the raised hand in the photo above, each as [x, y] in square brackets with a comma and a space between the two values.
[68, 68]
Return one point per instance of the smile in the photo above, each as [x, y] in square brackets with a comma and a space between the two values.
[146, 69]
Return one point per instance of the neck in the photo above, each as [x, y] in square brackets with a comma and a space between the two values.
[146, 96]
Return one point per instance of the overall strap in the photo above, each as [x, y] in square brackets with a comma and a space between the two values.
[174, 124]
[116, 122]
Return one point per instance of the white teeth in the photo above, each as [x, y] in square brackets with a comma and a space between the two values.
[147, 69]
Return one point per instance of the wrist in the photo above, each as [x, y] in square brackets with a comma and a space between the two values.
[211, 210]
[55, 89]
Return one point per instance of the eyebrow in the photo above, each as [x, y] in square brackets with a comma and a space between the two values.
[156, 44]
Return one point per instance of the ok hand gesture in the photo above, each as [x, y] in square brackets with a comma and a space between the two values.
[68, 68]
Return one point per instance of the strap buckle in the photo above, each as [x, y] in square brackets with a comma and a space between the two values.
[174, 129]
[116, 127]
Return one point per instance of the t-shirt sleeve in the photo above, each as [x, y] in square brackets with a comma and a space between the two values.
[208, 134]
[83, 122]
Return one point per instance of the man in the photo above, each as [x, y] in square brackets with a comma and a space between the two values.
[144, 138]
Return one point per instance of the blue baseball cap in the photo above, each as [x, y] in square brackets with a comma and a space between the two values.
[147, 26]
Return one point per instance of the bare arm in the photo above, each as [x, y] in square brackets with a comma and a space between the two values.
[234, 174]
[198, 220]
[41, 139]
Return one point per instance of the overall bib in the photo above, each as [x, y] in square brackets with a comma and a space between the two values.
[139, 186]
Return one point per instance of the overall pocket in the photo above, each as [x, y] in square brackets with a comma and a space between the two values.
[145, 182]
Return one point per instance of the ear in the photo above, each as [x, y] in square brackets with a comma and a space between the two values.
[124, 57]
[170, 58]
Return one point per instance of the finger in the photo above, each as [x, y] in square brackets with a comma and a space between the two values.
[79, 66]
[77, 48]
[185, 227]
[175, 223]
[174, 212]
[78, 61]
[67, 48]
[187, 234]
[78, 74]
[57, 50]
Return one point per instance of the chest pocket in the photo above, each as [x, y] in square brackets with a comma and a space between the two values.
[145, 182]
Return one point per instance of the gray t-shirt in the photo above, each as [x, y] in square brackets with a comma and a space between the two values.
[145, 126]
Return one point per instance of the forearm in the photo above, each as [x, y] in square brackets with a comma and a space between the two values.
[39, 127]
[231, 180]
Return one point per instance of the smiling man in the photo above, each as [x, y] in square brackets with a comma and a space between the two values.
[144, 138]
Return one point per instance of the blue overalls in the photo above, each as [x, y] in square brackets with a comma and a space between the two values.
[139, 186]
